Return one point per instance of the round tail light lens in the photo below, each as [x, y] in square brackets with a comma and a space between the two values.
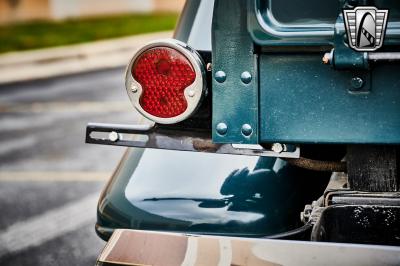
[165, 81]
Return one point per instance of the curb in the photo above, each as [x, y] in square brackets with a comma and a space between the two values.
[71, 59]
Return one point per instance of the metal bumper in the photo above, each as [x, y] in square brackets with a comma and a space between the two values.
[129, 247]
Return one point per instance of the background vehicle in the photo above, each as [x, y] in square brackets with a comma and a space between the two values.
[318, 144]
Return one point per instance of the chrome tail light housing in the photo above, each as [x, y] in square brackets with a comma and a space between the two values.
[166, 81]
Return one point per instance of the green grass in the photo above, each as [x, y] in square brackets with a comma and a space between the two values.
[45, 34]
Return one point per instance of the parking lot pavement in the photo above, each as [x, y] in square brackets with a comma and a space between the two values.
[49, 178]
[72, 59]
[49, 223]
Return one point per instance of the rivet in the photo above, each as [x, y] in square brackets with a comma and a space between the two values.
[222, 128]
[209, 66]
[134, 88]
[191, 93]
[245, 77]
[357, 83]
[113, 136]
[220, 76]
[247, 130]
[277, 147]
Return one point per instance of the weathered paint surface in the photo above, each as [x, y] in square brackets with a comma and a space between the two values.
[294, 98]
[304, 101]
[235, 102]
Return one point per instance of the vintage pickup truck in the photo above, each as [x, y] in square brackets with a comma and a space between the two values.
[273, 139]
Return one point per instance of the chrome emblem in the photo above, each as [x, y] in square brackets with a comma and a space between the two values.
[365, 27]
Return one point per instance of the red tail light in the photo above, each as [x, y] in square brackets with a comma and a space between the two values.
[165, 81]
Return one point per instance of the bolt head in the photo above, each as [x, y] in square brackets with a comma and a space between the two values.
[191, 93]
[277, 147]
[113, 136]
[326, 59]
[220, 76]
[134, 88]
[357, 83]
[247, 130]
[221, 128]
[246, 77]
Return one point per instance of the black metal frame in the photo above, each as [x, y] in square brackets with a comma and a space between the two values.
[157, 137]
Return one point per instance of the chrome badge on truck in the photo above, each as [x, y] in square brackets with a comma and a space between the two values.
[365, 27]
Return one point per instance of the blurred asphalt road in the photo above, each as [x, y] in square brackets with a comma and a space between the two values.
[49, 178]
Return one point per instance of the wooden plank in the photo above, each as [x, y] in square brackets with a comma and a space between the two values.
[373, 168]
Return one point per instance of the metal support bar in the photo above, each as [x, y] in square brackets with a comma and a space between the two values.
[235, 76]
[359, 60]
[144, 136]
[384, 56]
[351, 197]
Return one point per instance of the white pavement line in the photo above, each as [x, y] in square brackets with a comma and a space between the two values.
[53, 176]
[52, 224]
